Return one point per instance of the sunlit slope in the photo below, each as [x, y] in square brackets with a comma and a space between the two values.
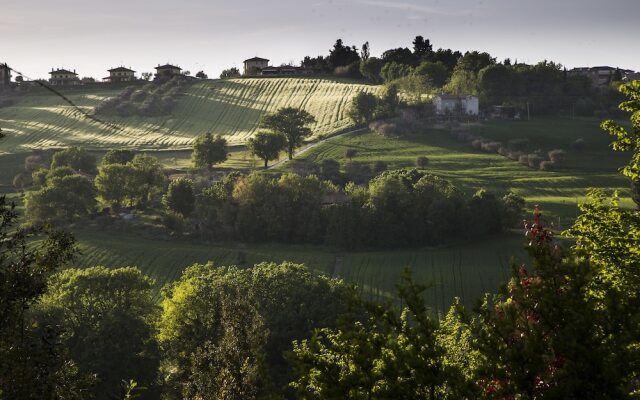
[231, 108]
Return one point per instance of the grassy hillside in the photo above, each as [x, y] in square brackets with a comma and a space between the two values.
[557, 191]
[466, 271]
[228, 107]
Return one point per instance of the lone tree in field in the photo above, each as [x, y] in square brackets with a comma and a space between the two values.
[267, 146]
[363, 107]
[209, 150]
[290, 122]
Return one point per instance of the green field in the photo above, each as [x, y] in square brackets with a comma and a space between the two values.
[466, 271]
[557, 192]
[231, 108]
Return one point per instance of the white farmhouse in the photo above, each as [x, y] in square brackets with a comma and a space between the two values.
[447, 103]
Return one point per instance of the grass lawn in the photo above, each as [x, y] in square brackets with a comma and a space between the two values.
[466, 271]
[557, 192]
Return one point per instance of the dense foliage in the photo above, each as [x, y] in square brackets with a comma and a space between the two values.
[93, 308]
[223, 331]
[209, 150]
[291, 123]
[32, 364]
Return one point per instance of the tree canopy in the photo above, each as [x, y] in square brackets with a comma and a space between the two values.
[290, 122]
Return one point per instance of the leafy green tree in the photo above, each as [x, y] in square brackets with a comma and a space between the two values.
[116, 183]
[341, 55]
[201, 75]
[32, 365]
[107, 317]
[462, 82]
[209, 150]
[149, 177]
[267, 146]
[392, 71]
[389, 102]
[215, 320]
[388, 354]
[230, 73]
[422, 47]
[233, 366]
[402, 56]
[76, 158]
[474, 61]
[118, 156]
[62, 200]
[180, 197]
[541, 337]
[494, 83]
[363, 107]
[435, 72]
[486, 212]
[628, 139]
[290, 122]
[365, 51]
[370, 68]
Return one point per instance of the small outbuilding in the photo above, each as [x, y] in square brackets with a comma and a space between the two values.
[454, 104]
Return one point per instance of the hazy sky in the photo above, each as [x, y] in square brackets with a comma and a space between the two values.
[92, 36]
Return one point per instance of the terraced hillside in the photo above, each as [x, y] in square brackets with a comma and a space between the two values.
[228, 107]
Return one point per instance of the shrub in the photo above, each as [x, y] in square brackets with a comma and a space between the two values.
[534, 160]
[546, 165]
[180, 197]
[477, 144]
[519, 144]
[514, 155]
[33, 162]
[578, 144]
[329, 168]
[523, 159]
[379, 166]
[491, 147]
[557, 156]
[173, 221]
[422, 161]
[358, 172]
[350, 153]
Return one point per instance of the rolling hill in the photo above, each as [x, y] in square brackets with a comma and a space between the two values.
[231, 108]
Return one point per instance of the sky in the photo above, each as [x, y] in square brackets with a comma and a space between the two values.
[92, 36]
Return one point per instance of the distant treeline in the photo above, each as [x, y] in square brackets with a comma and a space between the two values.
[399, 208]
[544, 88]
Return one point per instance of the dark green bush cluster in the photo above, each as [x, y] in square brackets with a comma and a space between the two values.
[398, 209]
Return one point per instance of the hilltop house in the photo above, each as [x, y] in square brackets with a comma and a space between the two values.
[447, 103]
[167, 70]
[5, 76]
[253, 66]
[120, 74]
[61, 77]
[601, 76]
